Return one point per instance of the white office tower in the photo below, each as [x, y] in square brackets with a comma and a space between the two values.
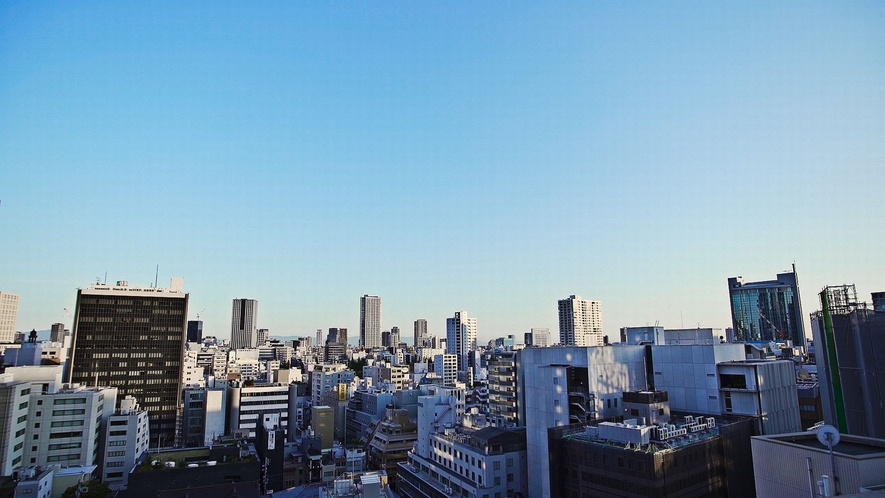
[461, 337]
[63, 427]
[126, 439]
[538, 337]
[244, 324]
[580, 322]
[370, 321]
[8, 316]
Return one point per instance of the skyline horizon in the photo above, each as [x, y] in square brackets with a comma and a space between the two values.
[612, 331]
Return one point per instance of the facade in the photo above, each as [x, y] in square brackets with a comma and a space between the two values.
[420, 333]
[461, 337]
[690, 376]
[8, 316]
[767, 311]
[370, 321]
[327, 377]
[195, 331]
[849, 341]
[391, 441]
[764, 389]
[133, 338]
[792, 465]
[65, 427]
[244, 324]
[580, 322]
[126, 440]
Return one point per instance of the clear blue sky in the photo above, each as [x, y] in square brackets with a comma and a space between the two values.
[490, 157]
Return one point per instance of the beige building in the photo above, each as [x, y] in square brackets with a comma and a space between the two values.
[8, 316]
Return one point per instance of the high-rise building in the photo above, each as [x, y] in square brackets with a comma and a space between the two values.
[263, 336]
[849, 343]
[57, 332]
[420, 334]
[195, 331]
[461, 337]
[538, 337]
[767, 311]
[8, 316]
[394, 336]
[126, 439]
[370, 321]
[244, 324]
[133, 338]
[580, 322]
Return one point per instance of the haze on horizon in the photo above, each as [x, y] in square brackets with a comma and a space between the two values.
[492, 158]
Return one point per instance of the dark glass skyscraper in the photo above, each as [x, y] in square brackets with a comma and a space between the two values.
[767, 311]
[132, 338]
[195, 331]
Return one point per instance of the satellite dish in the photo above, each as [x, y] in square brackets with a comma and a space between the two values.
[828, 436]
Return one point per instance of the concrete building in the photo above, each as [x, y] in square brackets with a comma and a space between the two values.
[764, 389]
[768, 310]
[580, 322]
[58, 333]
[461, 337]
[14, 403]
[65, 427]
[203, 416]
[244, 324]
[503, 395]
[250, 405]
[849, 339]
[797, 465]
[538, 337]
[133, 338]
[324, 378]
[690, 376]
[322, 421]
[446, 366]
[36, 482]
[631, 459]
[420, 333]
[370, 321]
[8, 316]
[126, 440]
[560, 386]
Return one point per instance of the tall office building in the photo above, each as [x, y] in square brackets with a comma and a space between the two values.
[8, 316]
[767, 311]
[263, 336]
[580, 322]
[370, 321]
[57, 332]
[420, 334]
[538, 337]
[132, 338]
[461, 337]
[394, 336]
[195, 331]
[244, 324]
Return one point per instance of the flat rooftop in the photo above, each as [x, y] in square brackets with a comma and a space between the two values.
[848, 444]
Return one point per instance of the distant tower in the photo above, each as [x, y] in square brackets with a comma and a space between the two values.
[768, 310]
[8, 316]
[580, 322]
[195, 331]
[263, 336]
[244, 324]
[420, 334]
[57, 333]
[370, 321]
[538, 337]
[394, 336]
[319, 337]
[461, 337]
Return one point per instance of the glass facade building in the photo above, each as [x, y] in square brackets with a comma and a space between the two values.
[767, 311]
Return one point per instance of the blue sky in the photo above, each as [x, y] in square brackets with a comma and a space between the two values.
[489, 157]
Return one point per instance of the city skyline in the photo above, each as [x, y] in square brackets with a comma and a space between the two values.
[492, 158]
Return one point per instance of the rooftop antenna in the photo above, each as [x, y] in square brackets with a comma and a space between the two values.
[106, 277]
[157, 276]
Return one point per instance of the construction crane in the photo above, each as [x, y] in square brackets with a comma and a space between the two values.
[777, 331]
[200, 313]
